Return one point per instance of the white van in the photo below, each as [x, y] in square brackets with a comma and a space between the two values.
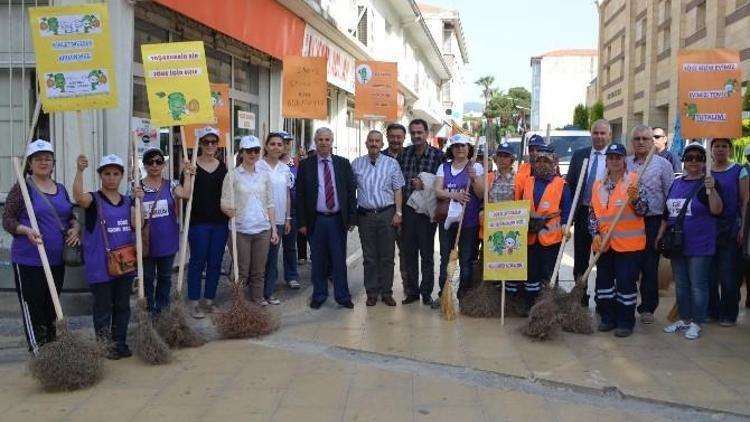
[565, 142]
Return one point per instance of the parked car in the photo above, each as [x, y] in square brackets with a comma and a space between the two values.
[565, 142]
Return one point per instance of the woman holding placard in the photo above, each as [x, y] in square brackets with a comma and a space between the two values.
[57, 227]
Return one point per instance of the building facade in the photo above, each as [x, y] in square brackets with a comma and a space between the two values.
[638, 45]
[558, 83]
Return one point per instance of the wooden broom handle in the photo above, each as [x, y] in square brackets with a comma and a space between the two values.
[571, 214]
[40, 247]
[235, 265]
[34, 120]
[188, 212]
[138, 218]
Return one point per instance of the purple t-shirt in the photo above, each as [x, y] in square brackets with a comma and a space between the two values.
[119, 233]
[700, 241]
[459, 182]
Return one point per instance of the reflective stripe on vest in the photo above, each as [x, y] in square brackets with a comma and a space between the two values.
[552, 232]
[630, 232]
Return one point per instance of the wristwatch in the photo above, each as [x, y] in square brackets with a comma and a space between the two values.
[398, 213]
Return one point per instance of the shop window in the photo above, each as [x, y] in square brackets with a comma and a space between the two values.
[219, 66]
[700, 16]
[146, 33]
[246, 77]
[245, 106]
[140, 98]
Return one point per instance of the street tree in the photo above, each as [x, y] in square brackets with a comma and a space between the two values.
[596, 112]
[486, 83]
[581, 117]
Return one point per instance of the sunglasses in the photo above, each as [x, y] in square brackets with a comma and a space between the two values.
[252, 150]
[155, 162]
[210, 142]
[694, 158]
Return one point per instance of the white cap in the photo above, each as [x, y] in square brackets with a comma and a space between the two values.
[208, 130]
[459, 138]
[110, 160]
[249, 141]
[747, 150]
[40, 145]
[312, 147]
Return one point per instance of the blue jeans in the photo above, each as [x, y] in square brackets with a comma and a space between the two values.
[207, 242]
[723, 286]
[691, 274]
[328, 249]
[289, 244]
[157, 269]
[466, 254]
[272, 265]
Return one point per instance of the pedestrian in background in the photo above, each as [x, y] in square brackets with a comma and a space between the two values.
[109, 226]
[618, 266]
[57, 227]
[379, 211]
[255, 219]
[208, 225]
[526, 170]
[418, 231]
[289, 240]
[326, 209]
[656, 181]
[691, 268]
[660, 142]
[280, 178]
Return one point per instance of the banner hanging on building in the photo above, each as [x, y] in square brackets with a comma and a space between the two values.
[710, 93]
[177, 83]
[220, 104]
[73, 52]
[305, 91]
[376, 91]
[506, 227]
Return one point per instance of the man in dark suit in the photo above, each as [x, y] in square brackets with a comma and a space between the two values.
[326, 209]
[601, 134]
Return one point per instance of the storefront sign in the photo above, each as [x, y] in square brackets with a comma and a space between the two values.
[710, 93]
[177, 83]
[376, 95]
[220, 103]
[340, 64]
[73, 53]
[305, 89]
[505, 228]
[245, 120]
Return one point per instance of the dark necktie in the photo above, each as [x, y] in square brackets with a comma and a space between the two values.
[328, 180]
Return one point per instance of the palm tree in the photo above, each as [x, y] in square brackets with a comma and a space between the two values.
[486, 83]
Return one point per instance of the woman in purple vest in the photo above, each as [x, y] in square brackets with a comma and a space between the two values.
[723, 287]
[453, 179]
[57, 226]
[110, 214]
[159, 212]
[692, 266]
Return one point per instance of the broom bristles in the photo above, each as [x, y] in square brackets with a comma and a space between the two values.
[544, 318]
[149, 346]
[482, 301]
[447, 305]
[69, 363]
[173, 327]
[244, 319]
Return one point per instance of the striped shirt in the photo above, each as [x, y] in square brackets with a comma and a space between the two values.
[656, 181]
[376, 183]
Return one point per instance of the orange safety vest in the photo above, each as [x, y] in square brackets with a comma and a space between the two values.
[523, 173]
[549, 205]
[630, 233]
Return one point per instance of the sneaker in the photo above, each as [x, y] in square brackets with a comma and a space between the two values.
[197, 313]
[676, 326]
[293, 284]
[273, 301]
[301, 261]
[693, 331]
[262, 302]
[727, 323]
[647, 318]
[209, 307]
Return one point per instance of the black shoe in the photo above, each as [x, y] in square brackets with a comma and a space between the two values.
[113, 354]
[427, 300]
[388, 300]
[348, 304]
[410, 299]
[371, 300]
[604, 327]
[623, 332]
[315, 304]
[124, 352]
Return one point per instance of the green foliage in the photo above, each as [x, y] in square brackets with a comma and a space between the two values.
[507, 107]
[746, 99]
[738, 149]
[596, 112]
[486, 83]
[581, 117]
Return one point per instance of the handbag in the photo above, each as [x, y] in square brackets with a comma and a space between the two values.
[72, 255]
[121, 260]
[672, 243]
[145, 229]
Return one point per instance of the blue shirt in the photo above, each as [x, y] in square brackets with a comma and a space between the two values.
[565, 202]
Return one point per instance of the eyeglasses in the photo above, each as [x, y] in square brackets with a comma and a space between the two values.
[642, 139]
[694, 158]
[210, 142]
[155, 162]
[252, 150]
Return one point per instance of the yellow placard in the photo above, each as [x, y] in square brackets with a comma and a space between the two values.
[506, 226]
[177, 83]
[73, 52]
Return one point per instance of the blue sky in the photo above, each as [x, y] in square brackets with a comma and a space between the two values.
[503, 35]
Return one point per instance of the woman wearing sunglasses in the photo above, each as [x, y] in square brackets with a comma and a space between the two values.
[208, 225]
[164, 231]
[692, 266]
[253, 210]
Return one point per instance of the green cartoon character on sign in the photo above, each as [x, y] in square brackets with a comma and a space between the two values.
[176, 102]
[730, 86]
[96, 78]
[89, 21]
[504, 243]
[216, 100]
[56, 80]
[51, 24]
[690, 110]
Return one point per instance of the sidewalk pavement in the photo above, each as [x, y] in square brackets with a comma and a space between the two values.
[406, 363]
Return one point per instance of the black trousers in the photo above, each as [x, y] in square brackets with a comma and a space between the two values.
[581, 243]
[418, 241]
[37, 310]
[112, 309]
